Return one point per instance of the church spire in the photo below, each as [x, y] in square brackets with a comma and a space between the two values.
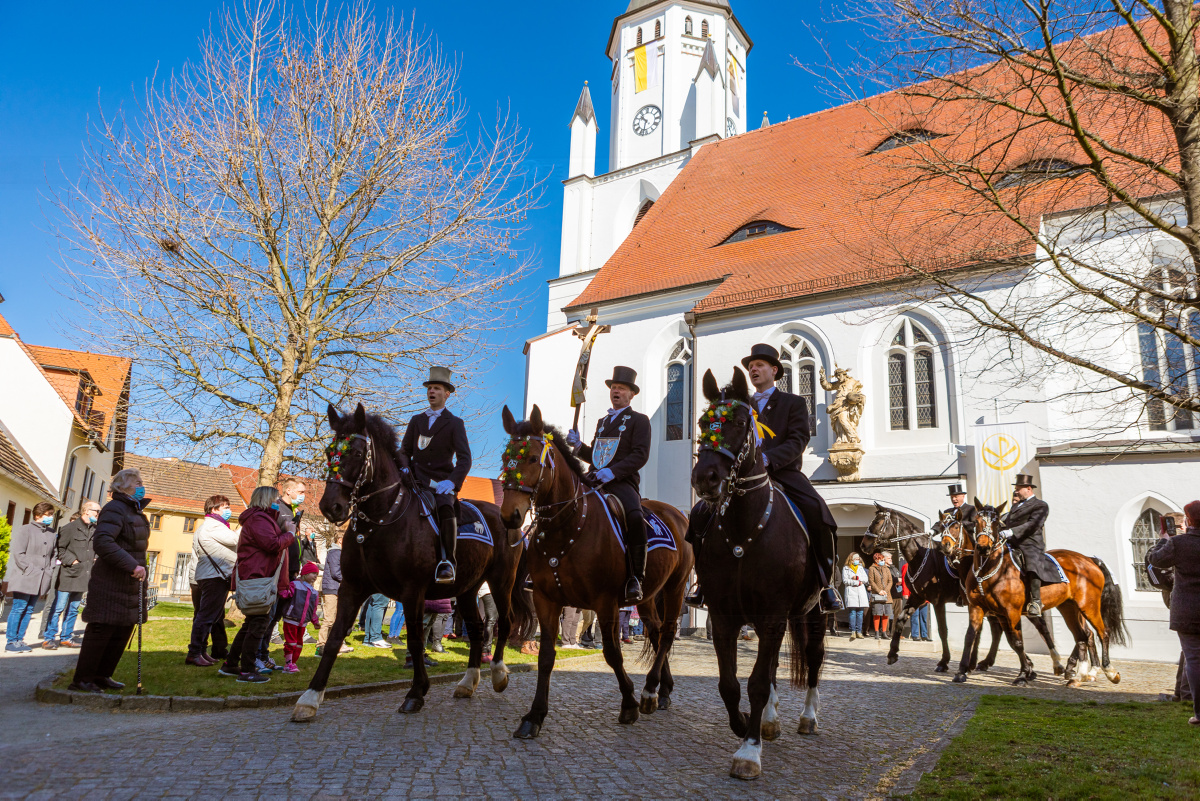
[583, 109]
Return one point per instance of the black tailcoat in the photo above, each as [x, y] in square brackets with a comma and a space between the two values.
[1027, 521]
[969, 513]
[448, 454]
[633, 448]
[787, 417]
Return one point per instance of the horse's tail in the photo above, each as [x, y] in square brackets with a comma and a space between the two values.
[1112, 610]
[650, 640]
[798, 634]
[521, 613]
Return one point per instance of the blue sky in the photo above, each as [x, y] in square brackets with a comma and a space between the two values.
[59, 62]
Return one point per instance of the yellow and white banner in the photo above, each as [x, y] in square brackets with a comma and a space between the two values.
[733, 85]
[646, 68]
[1001, 450]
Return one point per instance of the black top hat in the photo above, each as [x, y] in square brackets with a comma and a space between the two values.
[626, 376]
[440, 375]
[1025, 481]
[766, 353]
[956, 489]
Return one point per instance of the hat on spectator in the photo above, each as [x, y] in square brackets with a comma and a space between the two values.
[309, 567]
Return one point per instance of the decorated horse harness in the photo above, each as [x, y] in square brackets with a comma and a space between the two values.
[335, 454]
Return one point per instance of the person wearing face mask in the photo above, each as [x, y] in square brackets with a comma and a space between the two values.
[75, 557]
[291, 498]
[214, 546]
[115, 588]
[854, 583]
[31, 572]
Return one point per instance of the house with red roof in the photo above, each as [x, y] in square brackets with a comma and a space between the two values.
[704, 239]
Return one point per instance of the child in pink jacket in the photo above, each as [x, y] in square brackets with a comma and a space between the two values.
[302, 610]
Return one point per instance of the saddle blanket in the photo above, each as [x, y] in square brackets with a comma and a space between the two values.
[472, 526]
[657, 533]
[795, 510]
[1062, 576]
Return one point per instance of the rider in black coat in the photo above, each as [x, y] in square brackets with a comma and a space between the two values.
[440, 455]
[617, 454]
[958, 504]
[1025, 529]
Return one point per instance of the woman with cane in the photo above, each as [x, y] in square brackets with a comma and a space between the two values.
[115, 589]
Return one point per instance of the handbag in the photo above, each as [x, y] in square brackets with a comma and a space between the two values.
[878, 598]
[257, 596]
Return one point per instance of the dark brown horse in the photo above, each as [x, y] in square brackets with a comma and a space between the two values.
[1089, 595]
[392, 548]
[575, 559]
[756, 566]
[937, 575]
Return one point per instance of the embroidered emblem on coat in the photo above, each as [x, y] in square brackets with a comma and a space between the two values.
[604, 450]
[423, 441]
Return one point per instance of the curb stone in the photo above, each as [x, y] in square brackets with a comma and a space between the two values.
[47, 693]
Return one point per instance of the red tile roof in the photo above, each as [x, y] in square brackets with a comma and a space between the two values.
[183, 486]
[110, 373]
[858, 215]
[13, 462]
[476, 488]
[246, 481]
[6, 330]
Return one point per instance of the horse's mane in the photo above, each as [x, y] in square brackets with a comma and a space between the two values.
[525, 429]
[380, 431]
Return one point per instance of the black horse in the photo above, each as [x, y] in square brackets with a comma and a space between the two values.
[392, 548]
[757, 566]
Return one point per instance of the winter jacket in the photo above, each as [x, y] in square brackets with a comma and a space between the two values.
[262, 546]
[215, 546]
[854, 585]
[76, 555]
[331, 578]
[302, 608]
[880, 581]
[122, 533]
[1182, 552]
[32, 547]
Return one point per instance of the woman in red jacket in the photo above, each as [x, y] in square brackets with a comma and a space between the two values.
[261, 552]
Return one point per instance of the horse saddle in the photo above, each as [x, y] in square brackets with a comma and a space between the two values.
[616, 509]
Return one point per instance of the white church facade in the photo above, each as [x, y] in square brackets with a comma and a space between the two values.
[706, 238]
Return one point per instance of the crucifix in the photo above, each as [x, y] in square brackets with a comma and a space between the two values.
[579, 385]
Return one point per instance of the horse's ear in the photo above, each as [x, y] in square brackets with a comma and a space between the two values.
[1000, 508]
[360, 418]
[879, 508]
[976, 503]
[334, 417]
[509, 422]
[535, 419]
[711, 390]
[740, 388]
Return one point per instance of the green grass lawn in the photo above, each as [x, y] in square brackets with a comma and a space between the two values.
[1029, 748]
[164, 646]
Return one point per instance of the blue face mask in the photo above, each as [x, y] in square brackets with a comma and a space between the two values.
[225, 514]
[92, 519]
[139, 493]
[47, 520]
[275, 506]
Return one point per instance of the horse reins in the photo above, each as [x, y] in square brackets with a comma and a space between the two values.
[366, 474]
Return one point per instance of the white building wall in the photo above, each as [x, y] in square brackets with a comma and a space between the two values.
[32, 411]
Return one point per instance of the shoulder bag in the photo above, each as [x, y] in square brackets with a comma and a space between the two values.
[257, 596]
[213, 562]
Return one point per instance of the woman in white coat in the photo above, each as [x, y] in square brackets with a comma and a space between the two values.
[215, 548]
[854, 577]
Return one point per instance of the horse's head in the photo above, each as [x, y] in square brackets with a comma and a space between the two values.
[348, 465]
[987, 530]
[528, 460]
[952, 541]
[884, 527]
[728, 437]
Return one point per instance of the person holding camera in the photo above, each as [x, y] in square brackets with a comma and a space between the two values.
[1182, 552]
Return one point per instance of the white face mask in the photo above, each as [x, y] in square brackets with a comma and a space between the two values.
[299, 499]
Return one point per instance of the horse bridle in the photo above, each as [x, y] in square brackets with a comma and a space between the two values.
[733, 483]
[366, 474]
[540, 512]
[998, 543]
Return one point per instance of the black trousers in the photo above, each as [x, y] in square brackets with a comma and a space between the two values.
[822, 535]
[264, 647]
[103, 645]
[208, 601]
[244, 649]
[635, 523]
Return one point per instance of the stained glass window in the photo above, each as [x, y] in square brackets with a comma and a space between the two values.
[926, 397]
[898, 390]
[1145, 534]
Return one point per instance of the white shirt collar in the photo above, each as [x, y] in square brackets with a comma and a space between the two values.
[433, 415]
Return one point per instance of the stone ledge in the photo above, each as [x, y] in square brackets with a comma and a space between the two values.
[47, 693]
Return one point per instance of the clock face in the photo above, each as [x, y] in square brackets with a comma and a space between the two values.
[646, 120]
[730, 129]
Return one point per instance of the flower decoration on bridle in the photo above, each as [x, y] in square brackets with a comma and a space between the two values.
[334, 456]
[712, 424]
[518, 451]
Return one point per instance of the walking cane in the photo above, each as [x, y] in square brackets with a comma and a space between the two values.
[141, 617]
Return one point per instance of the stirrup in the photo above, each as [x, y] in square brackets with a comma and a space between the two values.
[632, 597]
[438, 578]
[695, 600]
[1031, 606]
[830, 601]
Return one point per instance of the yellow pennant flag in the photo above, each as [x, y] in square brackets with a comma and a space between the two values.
[639, 69]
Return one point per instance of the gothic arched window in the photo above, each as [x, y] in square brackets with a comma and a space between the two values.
[1145, 534]
[799, 375]
[912, 378]
[704, 28]
[639, 36]
[679, 369]
[657, 29]
[687, 26]
[1167, 361]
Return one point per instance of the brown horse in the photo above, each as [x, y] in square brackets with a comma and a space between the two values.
[576, 560]
[391, 548]
[1089, 595]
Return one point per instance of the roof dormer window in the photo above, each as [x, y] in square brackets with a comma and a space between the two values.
[1038, 170]
[905, 138]
[757, 229]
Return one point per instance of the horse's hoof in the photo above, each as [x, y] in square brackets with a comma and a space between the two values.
[807, 726]
[1059, 670]
[528, 730]
[1074, 683]
[629, 714]
[983, 667]
[463, 692]
[1032, 676]
[412, 705]
[499, 677]
[893, 659]
[747, 762]
[1115, 678]
[771, 730]
[664, 702]
[649, 703]
[960, 678]
[307, 705]
[941, 668]
[1020, 681]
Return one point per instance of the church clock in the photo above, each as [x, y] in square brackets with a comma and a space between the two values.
[730, 128]
[646, 120]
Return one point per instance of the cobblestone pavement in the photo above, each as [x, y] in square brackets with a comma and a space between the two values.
[361, 747]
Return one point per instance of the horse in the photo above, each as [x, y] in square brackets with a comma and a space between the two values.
[576, 559]
[1089, 595]
[933, 577]
[757, 566]
[392, 548]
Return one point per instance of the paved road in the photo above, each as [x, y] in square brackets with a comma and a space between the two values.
[360, 747]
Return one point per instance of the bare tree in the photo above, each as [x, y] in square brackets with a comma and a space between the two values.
[299, 217]
[1040, 177]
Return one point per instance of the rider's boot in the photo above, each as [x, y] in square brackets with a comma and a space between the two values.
[696, 597]
[448, 526]
[696, 538]
[1034, 585]
[635, 541]
[826, 548]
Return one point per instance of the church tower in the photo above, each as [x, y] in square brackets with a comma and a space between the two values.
[679, 74]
